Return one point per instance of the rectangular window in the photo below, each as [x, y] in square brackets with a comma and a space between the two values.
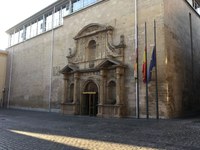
[40, 26]
[89, 2]
[66, 9]
[46, 22]
[16, 38]
[12, 39]
[34, 29]
[77, 4]
[28, 31]
[195, 5]
[56, 21]
[21, 35]
[198, 10]
[49, 22]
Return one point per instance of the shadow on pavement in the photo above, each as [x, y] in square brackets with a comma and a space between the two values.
[49, 130]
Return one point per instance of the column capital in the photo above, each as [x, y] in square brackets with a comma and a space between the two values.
[65, 77]
[76, 75]
[120, 71]
[103, 72]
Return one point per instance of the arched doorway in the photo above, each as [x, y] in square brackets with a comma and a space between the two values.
[90, 99]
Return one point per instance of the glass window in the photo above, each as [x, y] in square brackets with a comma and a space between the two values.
[56, 19]
[16, 37]
[39, 28]
[66, 10]
[34, 29]
[88, 2]
[21, 35]
[49, 22]
[12, 39]
[28, 31]
[77, 4]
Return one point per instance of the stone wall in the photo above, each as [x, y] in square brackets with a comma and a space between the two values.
[30, 84]
[182, 60]
[3, 61]
[37, 83]
[148, 11]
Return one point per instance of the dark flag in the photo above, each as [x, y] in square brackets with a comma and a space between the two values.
[152, 64]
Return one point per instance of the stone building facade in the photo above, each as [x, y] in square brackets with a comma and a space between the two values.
[77, 57]
[3, 62]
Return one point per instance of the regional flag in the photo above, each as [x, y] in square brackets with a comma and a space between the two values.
[152, 64]
[135, 66]
[144, 66]
[135, 70]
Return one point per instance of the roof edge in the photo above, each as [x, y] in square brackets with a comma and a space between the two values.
[36, 15]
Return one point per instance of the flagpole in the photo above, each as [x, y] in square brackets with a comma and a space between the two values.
[137, 73]
[157, 105]
[147, 98]
[138, 97]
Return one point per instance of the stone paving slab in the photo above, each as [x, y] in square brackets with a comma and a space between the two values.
[28, 130]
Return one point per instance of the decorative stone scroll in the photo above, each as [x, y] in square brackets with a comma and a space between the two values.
[115, 48]
[103, 36]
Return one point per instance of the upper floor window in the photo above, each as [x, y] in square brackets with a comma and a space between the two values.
[47, 21]
[40, 26]
[78, 4]
[195, 5]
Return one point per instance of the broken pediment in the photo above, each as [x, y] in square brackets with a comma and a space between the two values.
[110, 62]
[92, 29]
[69, 68]
[94, 43]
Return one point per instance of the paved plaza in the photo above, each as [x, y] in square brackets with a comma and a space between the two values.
[27, 130]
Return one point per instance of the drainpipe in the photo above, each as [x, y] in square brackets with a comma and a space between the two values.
[10, 77]
[51, 59]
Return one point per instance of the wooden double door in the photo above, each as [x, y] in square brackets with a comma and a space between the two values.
[90, 100]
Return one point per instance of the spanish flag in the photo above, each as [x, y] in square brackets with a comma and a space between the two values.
[144, 66]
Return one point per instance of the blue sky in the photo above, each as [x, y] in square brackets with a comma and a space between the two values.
[13, 12]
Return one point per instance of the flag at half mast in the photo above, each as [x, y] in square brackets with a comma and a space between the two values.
[144, 66]
[152, 64]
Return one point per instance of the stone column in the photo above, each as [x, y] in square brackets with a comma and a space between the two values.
[102, 92]
[119, 85]
[75, 96]
[65, 88]
[102, 87]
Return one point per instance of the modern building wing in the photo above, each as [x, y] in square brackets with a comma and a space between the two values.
[49, 18]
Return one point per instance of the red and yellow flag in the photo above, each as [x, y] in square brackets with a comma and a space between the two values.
[144, 67]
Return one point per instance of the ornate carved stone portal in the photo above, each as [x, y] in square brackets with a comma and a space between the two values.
[94, 76]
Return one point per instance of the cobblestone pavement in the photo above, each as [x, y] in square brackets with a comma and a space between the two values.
[27, 130]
